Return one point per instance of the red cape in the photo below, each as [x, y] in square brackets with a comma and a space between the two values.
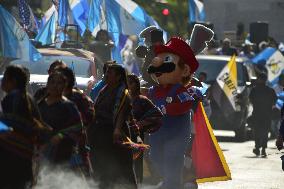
[207, 157]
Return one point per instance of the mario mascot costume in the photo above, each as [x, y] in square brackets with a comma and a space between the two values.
[174, 94]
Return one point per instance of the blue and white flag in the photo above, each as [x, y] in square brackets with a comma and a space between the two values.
[125, 17]
[95, 16]
[129, 59]
[80, 13]
[27, 17]
[14, 41]
[48, 33]
[73, 12]
[47, 16]
[273, 61]
[63, 10]
[56, 4]
[196, 11]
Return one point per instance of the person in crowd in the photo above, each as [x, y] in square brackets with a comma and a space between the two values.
[276, 121]
[42, 92]
[100, 84]
[112, 160]
[21, 113]
[86, 108]
[63, 116]
[83, 102]
[147, 117]
[202, 77]
[247, 51]
[280, 138]
[102, 46]
[227, 48]
[263, 99]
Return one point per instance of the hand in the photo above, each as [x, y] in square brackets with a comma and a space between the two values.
[117, 136]
[55, 139]
[279, 142]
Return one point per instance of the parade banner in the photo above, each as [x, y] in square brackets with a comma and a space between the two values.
[207, 157]
[224, 91]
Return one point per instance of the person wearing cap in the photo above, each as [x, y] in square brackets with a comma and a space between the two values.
[172, 69]
[227, 48]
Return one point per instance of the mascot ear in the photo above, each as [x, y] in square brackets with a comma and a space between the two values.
[199, 36]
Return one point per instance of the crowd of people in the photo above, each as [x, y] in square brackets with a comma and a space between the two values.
[100, 134]
[62, 126]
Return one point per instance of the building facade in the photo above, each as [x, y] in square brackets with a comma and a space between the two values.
[226, 14]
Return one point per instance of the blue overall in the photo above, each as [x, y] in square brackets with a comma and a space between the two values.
[169, 143]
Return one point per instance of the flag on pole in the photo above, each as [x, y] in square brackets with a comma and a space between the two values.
[14, 41]
[73, 12]
[48, 33]
[63, 10]
[224, 91]
[207, 157]
[80, 13]
[47, 15]
[27, 17]
[196, 11]
[273, 60]
[56, 4]
[95, 16]
[125, 16]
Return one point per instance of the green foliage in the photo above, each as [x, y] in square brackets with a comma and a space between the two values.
[176, 23]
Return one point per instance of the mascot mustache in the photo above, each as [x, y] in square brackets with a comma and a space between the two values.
[164, 68]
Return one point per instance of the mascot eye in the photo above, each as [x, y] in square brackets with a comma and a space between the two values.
[168, 59]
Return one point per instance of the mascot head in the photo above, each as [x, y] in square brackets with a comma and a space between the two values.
[175, 61]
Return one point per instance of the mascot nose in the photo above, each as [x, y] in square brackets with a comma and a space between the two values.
[157, 61]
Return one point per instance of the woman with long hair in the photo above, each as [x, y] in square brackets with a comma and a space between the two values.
[63, 116]
[86, 108]
[147, 117]
[17, 148]
[112, 161]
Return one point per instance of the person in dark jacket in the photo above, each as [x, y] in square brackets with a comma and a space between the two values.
[63, 116]
[17, 148]
[86, 108]
[263, 99]
[147, 116]
[112, 161]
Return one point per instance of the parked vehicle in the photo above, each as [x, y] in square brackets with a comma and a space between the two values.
[237, 121]
[79, 60]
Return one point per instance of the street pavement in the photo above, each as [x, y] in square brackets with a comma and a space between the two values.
[247, 170]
